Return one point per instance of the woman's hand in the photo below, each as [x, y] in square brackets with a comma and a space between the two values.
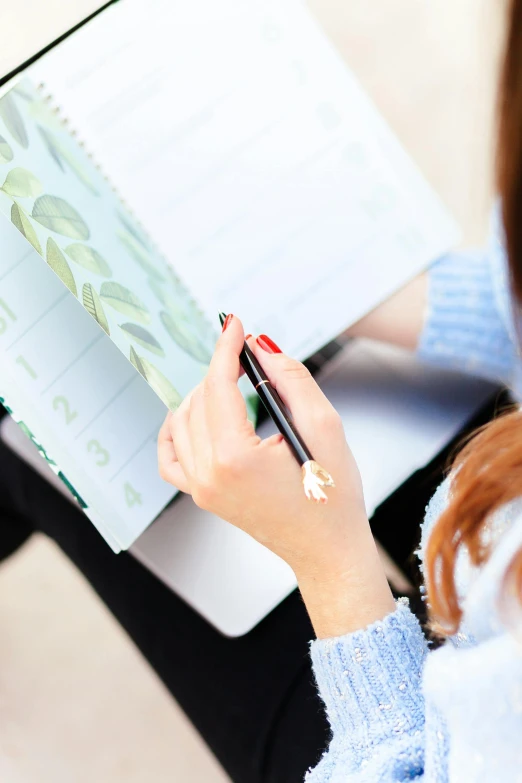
[209, 449]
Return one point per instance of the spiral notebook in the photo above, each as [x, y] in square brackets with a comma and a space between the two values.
[244, 169]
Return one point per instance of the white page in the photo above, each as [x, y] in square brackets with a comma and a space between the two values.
[254, 159]
[78, 394]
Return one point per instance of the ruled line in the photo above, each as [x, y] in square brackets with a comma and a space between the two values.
[76, 359]
[17, 264]
[149, 437]
[127, 383]
[46, 312]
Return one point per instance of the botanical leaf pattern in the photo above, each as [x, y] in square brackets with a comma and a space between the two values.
[140, 254]
[89, 258]
[124, 301]
[161, 385]
[13, 120]
[57, 262]
[20, 182]
[6, 153]
[143, 337]
[58, 215]
[92, 303]
[186, 337]
[62, 154]
[21, 220]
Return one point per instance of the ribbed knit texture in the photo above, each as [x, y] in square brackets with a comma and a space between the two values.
[397, 711]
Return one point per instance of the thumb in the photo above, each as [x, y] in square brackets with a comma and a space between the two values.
[294, 384]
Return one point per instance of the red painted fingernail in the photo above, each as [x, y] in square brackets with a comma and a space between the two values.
[227, 321]
[267, 344]
[248, 336]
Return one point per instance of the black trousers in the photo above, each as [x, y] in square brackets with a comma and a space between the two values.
[253, 698]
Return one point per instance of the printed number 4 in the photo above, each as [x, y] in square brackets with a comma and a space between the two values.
[132, 497]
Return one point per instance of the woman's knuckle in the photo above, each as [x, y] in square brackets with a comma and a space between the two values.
[329, 420]
[295, 370]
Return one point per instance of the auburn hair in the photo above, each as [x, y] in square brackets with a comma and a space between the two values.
[488, 471]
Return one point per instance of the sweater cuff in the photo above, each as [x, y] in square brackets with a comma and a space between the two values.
[463, 329]
[370, 680]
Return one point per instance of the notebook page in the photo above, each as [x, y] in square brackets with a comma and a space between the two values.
[52, 191]
[78, 395]
[253, 157]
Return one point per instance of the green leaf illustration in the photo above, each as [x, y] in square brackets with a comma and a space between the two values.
[143, 337]
[89, 258]
[20, 182]
[124, 301]
[57, 262]
[21, 220]
[140, 254]
[6, 153]
[161, 385]
[184, 335]
[57, 215]
[130, 225]
[13, 120]
[63, 154]
[93, 305]
[21, 91]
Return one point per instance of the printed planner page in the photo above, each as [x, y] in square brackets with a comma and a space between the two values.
[52, 192]
[255, 160]
[77, 395]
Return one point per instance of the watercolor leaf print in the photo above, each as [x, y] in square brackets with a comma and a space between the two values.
[6, 153]
[124, 301]
[57, 262]
[13, 120]
[57, 215]
[138, 252]
[22, 222]
[63, 156]
[181, 332]
[20, 182]
[93, 305]
[161, 385]
[89, 259]
[143, 337]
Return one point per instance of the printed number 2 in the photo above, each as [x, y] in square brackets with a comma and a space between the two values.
[132, 497]
[63, 402]
[96, 447]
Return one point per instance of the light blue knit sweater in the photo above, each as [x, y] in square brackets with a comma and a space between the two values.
[398, 712]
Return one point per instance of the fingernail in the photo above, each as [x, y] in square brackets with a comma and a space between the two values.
[248, 336]
[267, 344]
[227, 321]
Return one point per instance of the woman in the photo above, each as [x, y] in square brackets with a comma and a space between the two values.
[397, 712]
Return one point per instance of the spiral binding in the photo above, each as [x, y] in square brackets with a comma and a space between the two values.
[57, 110]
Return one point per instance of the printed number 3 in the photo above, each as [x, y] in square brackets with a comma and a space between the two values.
[95, 447]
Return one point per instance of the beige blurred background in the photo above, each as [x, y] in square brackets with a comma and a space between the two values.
[77, 702]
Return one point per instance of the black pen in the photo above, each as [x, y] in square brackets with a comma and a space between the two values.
[314, 476]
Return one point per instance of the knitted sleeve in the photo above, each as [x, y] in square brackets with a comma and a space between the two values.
[465, 327]
[370, 682]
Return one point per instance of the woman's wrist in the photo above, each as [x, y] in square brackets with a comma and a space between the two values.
[345, 594]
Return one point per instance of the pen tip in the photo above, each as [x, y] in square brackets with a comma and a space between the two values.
[222, 317]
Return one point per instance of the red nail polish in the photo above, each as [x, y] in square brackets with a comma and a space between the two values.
[248, 336]
[227, 321]
[267, 344]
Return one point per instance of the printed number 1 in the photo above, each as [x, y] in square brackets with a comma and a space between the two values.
[9, 313]
[132, 497]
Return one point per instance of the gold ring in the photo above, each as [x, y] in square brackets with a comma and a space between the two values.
[261, 382]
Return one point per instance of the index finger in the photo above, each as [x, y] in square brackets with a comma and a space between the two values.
[224, 404]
